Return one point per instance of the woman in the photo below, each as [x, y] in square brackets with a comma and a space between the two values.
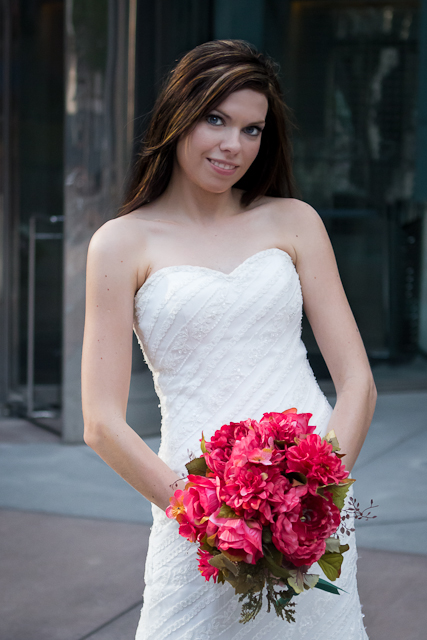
[208, 261]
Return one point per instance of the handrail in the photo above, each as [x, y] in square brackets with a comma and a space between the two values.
[33, 237]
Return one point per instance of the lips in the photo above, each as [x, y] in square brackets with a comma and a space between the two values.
[223, 165]
[223, 168]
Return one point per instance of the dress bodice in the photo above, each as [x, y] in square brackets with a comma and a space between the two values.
[224, 347]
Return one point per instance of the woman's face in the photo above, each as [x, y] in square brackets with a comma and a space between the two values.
[223, 145]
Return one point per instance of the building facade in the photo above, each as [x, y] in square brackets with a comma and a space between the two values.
[79, 78]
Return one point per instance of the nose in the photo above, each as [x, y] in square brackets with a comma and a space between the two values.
[231, 140]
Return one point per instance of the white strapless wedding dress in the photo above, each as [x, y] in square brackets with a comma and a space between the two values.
[226, 347]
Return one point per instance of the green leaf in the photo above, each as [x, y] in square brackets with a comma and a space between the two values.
[266, 535]
[320, 491]
[324, 585]
[333, 440]
[227, 512]
[197, 467]
[300, 581]
[205, 546]
[221, 562]
[231, 556]
[203, 444]
[273, 553]
[297, 478]
[339, 492]
[275, 569]
[330, 563]
[296, 581]
[310, 580]
[333, 545]
[220, 578]
[245, 583]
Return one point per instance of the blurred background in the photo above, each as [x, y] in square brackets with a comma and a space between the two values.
[78, 79]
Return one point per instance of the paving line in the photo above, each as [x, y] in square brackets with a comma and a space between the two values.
[111, 620]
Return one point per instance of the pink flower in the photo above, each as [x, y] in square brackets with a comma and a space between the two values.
[192, 507]
[290, 499]
[178, 511]
[316, 460]
[201, 497]
[241, 538]
[206, 569]
[253, 489]
[220, 445]
[257, 447]
[288, 425]
[260, 456]
[301, 533]
[217, 459]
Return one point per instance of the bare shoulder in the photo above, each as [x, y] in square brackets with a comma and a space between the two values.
[117, 236]
[296, 225]
[294, 214]
[118, 248]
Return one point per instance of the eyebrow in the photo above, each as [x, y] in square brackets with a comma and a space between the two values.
[229, 117]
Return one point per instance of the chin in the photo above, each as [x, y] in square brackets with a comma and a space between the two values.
[217, 190]
[220, 186]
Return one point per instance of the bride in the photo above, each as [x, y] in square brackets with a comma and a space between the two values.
[209, 263]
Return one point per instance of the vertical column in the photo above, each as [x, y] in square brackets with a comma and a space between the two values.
[420, 188]
[95, 154]
[5, 52]
[422, 338]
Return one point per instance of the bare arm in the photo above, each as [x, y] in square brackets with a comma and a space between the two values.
[336, 332]
[106, 364]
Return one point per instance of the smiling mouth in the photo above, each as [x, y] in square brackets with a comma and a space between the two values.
[223, 165]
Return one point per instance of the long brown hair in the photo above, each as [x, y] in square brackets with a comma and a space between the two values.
[202, 79]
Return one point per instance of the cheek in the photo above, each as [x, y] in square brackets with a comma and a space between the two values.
[195, 144]
[251, 150]
[203, 138]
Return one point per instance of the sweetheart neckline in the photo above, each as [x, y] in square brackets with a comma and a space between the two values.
[190, 267]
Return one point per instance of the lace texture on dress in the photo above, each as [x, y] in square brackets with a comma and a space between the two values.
[221, 348]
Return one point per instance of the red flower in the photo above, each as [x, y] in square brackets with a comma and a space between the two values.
[239, 537]
[288, 425]
[301, 533]
[220, 445]
[252, 490]
[315, 459]
[206, 569]
[290, 499]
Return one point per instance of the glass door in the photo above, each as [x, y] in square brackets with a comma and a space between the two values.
[32, 220]
[353, 81]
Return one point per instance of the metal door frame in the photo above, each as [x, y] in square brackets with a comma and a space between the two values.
[5, 204]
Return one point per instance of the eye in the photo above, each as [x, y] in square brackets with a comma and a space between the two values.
[253, 131]
[214, 120]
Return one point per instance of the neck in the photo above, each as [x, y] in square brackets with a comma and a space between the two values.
[186, 199]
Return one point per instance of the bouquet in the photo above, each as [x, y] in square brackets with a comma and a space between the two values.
[263, 502]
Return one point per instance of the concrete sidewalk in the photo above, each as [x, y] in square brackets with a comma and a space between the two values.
[73, 535]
